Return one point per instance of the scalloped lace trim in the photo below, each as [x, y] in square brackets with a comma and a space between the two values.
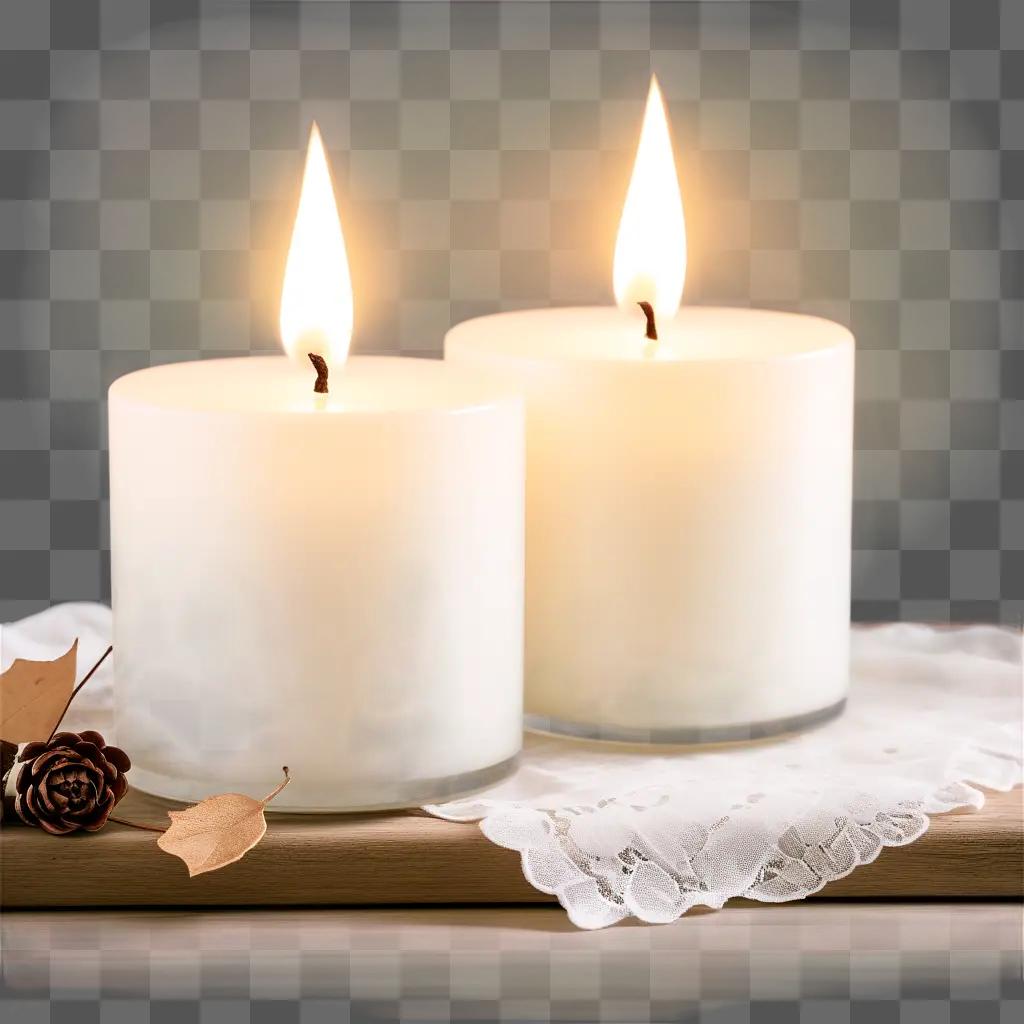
[934, 715]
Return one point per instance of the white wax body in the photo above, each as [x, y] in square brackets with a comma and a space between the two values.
[688, 514]
[333, 584]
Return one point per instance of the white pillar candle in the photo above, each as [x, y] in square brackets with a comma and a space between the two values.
[688, 495]
[688, 517]
[331, 584]
[328, 581]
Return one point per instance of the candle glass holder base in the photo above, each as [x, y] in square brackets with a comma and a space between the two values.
[301, 798]
[687, 735]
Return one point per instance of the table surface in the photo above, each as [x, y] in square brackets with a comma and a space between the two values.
[410, 858]
[800, 962]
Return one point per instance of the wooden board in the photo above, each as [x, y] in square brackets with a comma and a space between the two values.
[411, 858]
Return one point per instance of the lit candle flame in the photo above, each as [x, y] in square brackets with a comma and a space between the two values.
[316, 296]
[650, 250]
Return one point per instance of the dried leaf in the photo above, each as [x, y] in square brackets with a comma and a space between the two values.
[217, 831]
[33, 696]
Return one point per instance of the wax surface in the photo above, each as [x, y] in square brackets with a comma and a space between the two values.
[332, 585]
[688, 514]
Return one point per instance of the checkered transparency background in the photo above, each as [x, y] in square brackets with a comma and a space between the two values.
[834, 962]
[861, 159]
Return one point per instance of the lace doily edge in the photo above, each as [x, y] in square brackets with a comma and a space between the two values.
[967, 791]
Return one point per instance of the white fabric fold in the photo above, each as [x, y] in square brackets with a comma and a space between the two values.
[934, 716]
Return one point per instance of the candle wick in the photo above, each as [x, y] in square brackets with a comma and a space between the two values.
[320, 365]
[652, 327]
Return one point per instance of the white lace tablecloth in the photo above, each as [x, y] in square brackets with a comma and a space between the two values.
[615, 831]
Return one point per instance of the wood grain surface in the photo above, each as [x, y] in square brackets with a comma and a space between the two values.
[411, 858]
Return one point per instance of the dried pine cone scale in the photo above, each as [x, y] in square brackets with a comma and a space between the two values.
[71, 782]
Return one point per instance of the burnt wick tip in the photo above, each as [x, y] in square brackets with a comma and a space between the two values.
[652, 327]
[320, 365]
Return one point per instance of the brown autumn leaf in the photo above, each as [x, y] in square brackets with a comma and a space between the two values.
[217, 831]
[34, 695]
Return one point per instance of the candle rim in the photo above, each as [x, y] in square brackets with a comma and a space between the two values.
[471, 394]
[464, 338]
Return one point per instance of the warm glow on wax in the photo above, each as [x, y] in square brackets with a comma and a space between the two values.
[650, 251]
[316, 297]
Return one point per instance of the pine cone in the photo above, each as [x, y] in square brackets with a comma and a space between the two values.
[8, 755]
[69, 783]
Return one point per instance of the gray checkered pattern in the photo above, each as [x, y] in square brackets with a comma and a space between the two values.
[796, 964]
[863, 159]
